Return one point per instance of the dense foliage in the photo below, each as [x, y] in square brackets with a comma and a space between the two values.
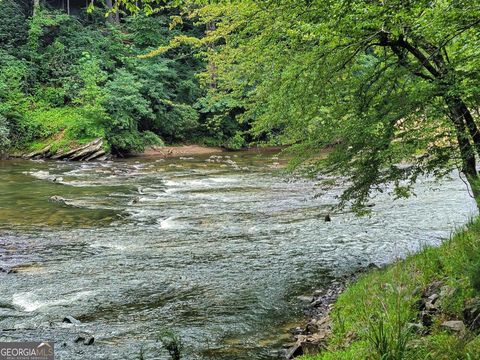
[390, 88]
[67, 80]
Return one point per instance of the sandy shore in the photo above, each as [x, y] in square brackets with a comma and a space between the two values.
[183, 150]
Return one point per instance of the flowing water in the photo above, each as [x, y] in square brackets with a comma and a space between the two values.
[215, 249]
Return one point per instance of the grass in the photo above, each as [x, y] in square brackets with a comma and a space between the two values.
[374, 317]
[63, 128]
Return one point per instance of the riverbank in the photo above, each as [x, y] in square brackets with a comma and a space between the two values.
[180, 150]
[95, 150]
[424, 307]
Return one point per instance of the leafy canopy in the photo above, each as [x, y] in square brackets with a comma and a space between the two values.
[391, 87]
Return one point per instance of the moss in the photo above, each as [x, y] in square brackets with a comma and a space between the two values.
[379, 308]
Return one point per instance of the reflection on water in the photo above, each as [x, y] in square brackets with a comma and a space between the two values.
[215, 248]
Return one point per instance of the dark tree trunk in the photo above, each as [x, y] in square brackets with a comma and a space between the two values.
[434, 67]
[212, 67]
[462, 110]
[109, 9]
[461, 117]
[117, 13]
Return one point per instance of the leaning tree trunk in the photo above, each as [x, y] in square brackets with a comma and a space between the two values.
[461, 118]
[431, 66]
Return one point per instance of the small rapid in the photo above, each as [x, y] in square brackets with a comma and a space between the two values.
[216, 249]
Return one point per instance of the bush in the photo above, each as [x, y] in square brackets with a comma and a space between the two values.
[149, 139]
[4, 133]
[236, 142]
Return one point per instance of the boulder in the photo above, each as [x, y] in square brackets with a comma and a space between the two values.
[85, 339]
[71, 320]
[454, 325]
[89, 340]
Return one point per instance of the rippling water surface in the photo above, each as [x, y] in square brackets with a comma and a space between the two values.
[216, 249]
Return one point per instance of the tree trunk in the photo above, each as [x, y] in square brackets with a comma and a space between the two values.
[462, 119]
[36, 5]
[109, 9]
[467, 150]
[117, 13]
[212, 67]
[462, 110]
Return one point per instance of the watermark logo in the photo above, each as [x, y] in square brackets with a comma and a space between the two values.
[26, 351]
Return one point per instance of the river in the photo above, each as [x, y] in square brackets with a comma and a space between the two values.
[215, 249]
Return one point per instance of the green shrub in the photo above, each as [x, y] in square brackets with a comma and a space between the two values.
[4, 133]
[149, 139]
[236, 142]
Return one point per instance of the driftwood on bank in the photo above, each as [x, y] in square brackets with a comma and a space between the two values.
[88, 152]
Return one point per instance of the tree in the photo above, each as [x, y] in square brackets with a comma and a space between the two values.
[391, 86]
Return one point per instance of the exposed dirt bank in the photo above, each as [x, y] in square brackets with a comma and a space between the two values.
[183, 150]
[191, 150]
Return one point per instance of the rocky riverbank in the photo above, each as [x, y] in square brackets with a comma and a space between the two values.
[94, 150]
[424, 307]
[311, 337]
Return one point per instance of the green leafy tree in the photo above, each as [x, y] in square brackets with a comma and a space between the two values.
[126, 107]
[390, 86]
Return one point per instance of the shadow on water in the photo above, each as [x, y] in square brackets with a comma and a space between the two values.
[217, 249]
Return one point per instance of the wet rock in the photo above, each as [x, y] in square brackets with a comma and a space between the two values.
[85, 339]
[58, 199]
[294, 352]
[308, 344]
[135, 200]
[306, 299]
[296, 331]
[8, 271]
[79, 338]
[454, 325]
[328, 218]
[71, 320]
[89, 341]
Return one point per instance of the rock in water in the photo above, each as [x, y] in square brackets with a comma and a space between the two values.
[58, 199]
[89, 340]
[85, 339]
[71, 320]
[328, 218]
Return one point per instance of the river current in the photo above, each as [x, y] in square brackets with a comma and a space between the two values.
[216, 249]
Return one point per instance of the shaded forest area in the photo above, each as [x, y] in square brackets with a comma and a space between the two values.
[67, 80]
